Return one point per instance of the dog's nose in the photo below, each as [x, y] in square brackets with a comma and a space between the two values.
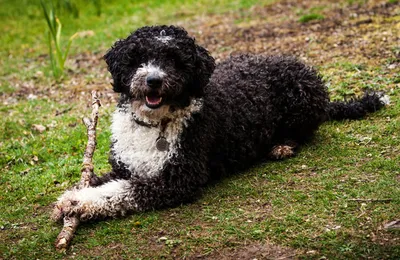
[154, 81]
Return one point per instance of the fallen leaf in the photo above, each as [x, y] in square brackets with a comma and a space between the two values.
[39, 128]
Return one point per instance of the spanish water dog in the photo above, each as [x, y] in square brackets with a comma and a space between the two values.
[182, 120]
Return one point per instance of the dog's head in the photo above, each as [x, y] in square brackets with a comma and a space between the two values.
[159, 66]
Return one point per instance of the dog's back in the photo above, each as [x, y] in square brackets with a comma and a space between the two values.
[262, 101]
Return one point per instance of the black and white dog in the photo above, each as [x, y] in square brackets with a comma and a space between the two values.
[181, 122]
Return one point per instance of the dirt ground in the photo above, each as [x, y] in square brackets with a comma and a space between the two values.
[253, 251]
[359, 32]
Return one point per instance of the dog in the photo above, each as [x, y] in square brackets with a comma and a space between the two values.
[182, 121]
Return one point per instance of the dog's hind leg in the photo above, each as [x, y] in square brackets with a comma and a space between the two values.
[283, 151]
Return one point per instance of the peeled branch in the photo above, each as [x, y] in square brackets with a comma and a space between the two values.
[87, 172]
[67, 233]
[90, 123]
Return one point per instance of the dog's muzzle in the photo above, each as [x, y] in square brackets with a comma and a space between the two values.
[153, 99]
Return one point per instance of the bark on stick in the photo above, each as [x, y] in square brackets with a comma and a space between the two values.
[71, 223]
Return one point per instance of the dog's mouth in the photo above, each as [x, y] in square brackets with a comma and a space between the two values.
[153, 100]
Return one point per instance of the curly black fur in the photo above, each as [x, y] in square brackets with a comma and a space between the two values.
[355, 108]
[250, 104]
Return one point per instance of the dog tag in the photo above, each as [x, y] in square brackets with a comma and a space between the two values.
[162, 144]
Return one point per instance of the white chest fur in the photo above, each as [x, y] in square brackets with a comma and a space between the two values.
[135, 145]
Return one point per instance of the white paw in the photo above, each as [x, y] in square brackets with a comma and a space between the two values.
[66, 205]
[385, 99]
[108, 200]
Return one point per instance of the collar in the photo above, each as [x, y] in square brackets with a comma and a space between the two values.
[143, 123]
[162, 124]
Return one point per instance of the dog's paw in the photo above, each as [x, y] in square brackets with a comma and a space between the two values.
[66, 205]
[280, 152]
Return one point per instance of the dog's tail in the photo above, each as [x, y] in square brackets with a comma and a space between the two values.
[358, 107]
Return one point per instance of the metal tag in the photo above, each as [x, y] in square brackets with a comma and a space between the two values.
[162, 144]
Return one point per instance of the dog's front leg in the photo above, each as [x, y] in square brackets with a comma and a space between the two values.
[177, 183]
[111, 199]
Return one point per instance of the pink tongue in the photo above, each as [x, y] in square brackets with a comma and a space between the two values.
[153, 100]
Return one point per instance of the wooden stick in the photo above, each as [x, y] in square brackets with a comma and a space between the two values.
[395, 224]
[91, 124]
[71, 223]
[67, 233]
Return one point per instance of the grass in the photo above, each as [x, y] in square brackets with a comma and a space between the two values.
[314, 13]
[302, 205]
[310, 17]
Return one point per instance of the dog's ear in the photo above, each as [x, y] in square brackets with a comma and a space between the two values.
[115, 60]
[205, 65]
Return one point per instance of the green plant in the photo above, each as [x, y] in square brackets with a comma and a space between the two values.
[56, 53]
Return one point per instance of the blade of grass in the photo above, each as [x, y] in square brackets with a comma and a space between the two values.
[47, 14]
[53, 65]
[69, 46]
[57, 44]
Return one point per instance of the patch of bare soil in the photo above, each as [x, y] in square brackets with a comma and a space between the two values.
[252, 251]
[85, 72]
[360, 31]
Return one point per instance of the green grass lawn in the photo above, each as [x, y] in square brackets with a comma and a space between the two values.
[302, 207]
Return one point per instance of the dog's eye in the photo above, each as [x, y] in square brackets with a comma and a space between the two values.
[173, 60]
[177, 62]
